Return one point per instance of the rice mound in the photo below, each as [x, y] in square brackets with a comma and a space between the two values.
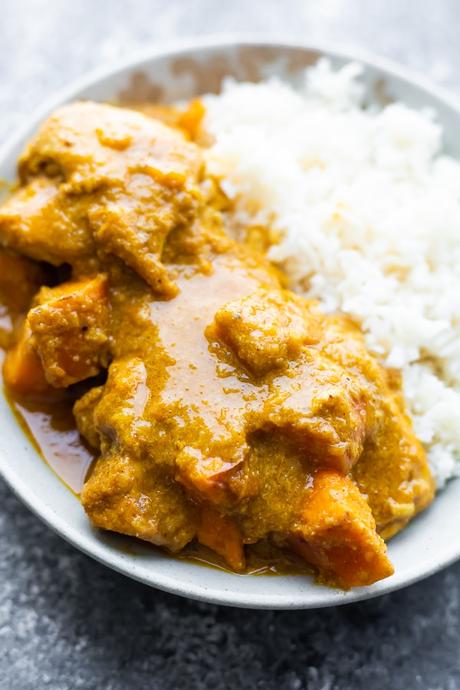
[368, 210]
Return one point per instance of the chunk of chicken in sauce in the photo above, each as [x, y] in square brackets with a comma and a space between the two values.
[108, 182]
[233, 410]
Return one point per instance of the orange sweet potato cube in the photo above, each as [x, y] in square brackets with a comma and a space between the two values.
[338, 536]
[22, 370]
[20, 279]
[219, 533]
[69, 326]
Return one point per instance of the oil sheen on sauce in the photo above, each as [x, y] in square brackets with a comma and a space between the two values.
[51, 427]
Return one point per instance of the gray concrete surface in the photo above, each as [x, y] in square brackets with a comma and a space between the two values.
[65, 621]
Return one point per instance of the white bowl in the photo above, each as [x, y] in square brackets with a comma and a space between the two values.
[430, 543]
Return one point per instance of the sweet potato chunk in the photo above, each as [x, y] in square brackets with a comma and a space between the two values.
[20, 279]
[69, 326]
[219, 533]
[22, 370]
[337, 534]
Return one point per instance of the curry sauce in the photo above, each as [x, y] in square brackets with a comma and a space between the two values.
[51, 428]
[231, 412]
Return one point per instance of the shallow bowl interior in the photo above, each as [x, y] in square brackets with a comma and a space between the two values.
[431, 541]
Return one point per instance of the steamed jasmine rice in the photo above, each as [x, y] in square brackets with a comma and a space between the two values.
[368, 210]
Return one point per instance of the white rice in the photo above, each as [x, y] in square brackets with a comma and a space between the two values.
[369, 211]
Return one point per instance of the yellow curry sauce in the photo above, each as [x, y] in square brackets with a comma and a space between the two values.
[230, 411]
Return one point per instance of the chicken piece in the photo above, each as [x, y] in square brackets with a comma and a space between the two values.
[279, 475]
[134, 223]
[220, 533]
[393, 473]
[319, 402]
[46, 223]
[104, 177]
[133, 497]
[128, 491]
[333, 404]
[69, 327]
[83, 411]
[323, 408]
[265, 329]
[119, 413]
[128, 413]
[93, 145]
[337, 534]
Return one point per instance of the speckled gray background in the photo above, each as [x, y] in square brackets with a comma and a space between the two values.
[67, 622]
